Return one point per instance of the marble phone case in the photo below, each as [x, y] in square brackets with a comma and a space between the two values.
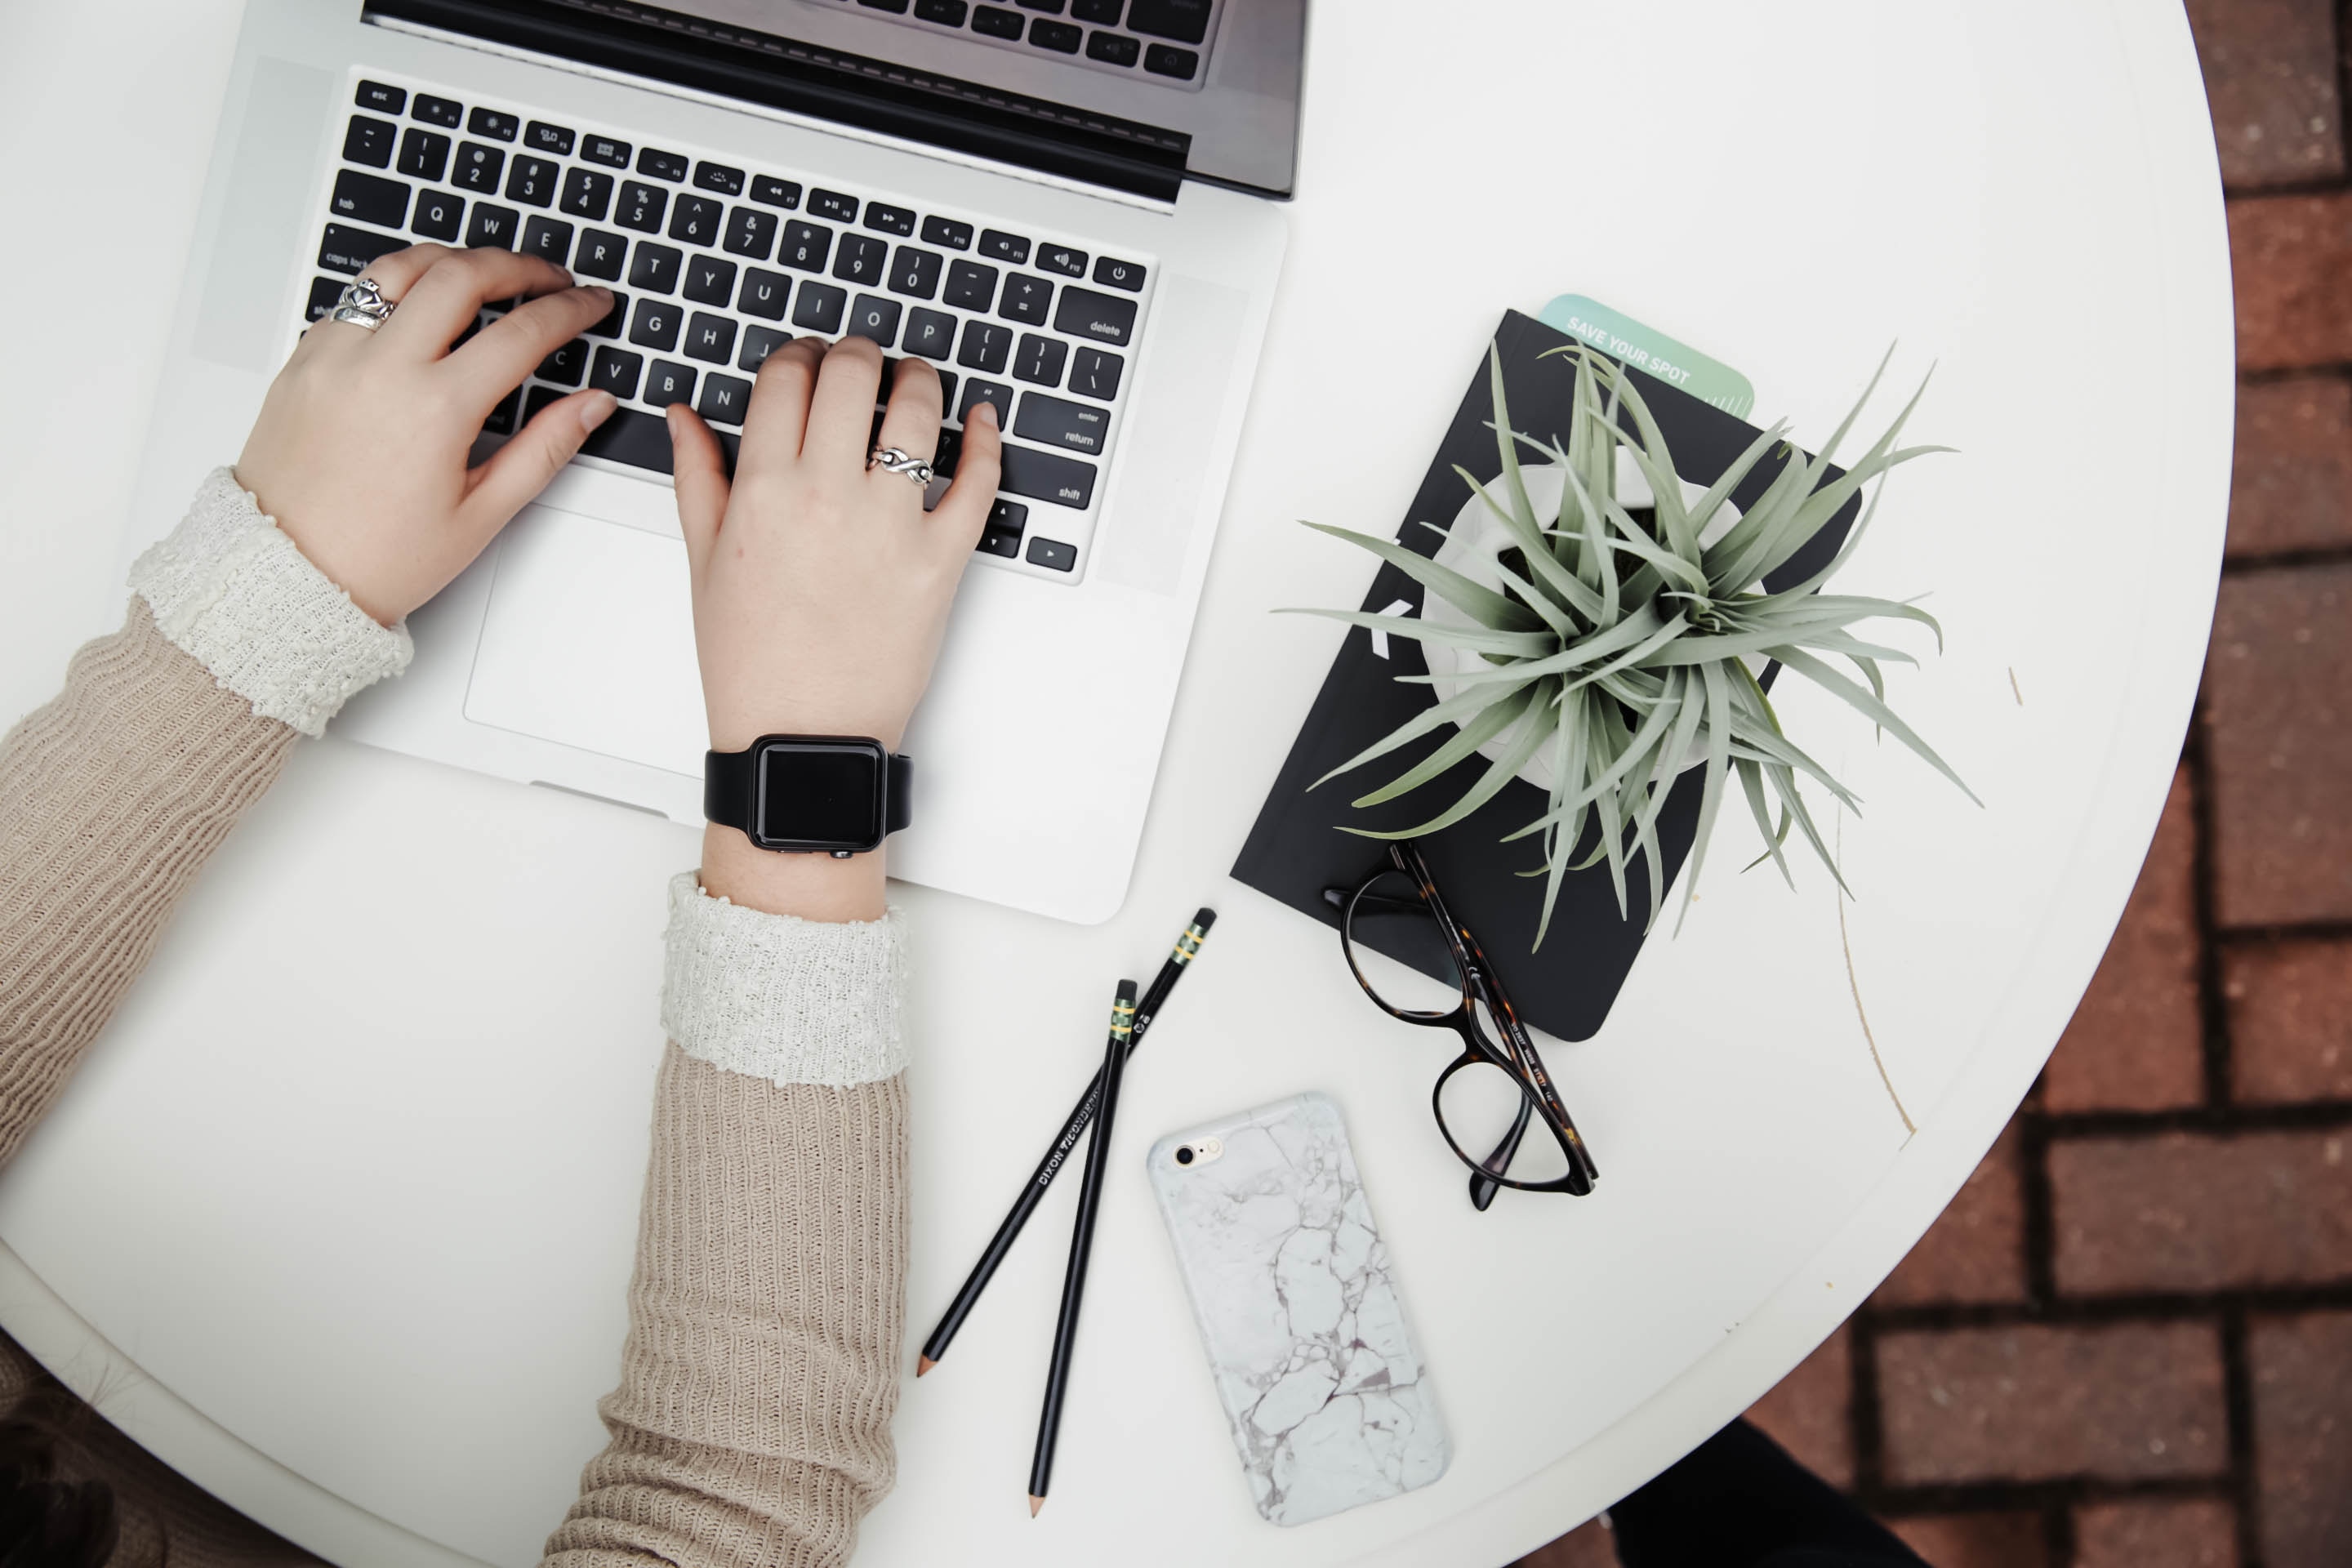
[1290, 1286]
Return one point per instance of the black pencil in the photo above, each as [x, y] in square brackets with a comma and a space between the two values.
[1082, 1242]
[1074, 1127]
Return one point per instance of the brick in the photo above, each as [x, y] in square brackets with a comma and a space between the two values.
[2288, 258]
[2029, 1401]
[2198, 1211]
[1811, 1411]
[2270, 80]
[2157, 1532]
[2278, 724]
[2137, 1042]
[1589, 1545]
[1975, 1249]
[2290, 1020]
[2291, 477]
[1976, 1540]
[2301, 1370]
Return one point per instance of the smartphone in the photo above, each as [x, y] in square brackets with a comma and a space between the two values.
[1298, 1308]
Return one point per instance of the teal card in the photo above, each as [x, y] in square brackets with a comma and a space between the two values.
[1677, 364]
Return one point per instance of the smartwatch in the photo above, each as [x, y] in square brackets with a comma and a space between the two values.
[829, 795]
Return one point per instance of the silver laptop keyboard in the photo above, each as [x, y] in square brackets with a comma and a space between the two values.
[715, 261]
[1158, 41]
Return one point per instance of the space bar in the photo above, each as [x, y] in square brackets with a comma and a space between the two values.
[642, 441]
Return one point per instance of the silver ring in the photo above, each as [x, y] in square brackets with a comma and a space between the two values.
[892, 460]
[362, 304]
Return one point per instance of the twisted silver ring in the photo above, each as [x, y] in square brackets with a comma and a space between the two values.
[362, 304]
[892, 460]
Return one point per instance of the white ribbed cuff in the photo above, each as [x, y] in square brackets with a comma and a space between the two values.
[232, 592]
[788, 1000]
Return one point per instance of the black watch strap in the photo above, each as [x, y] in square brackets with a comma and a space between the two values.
[728, 778]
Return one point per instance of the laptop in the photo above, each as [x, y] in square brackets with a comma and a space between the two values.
[1073, 208]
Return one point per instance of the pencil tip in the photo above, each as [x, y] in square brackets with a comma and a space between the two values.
[923, 1364]
[1035, 1504]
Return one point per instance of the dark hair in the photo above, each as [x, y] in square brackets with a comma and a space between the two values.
[46, 1521]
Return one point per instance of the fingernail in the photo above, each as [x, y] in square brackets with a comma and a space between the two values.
[985, 412]
[670, 417]
[595, 408]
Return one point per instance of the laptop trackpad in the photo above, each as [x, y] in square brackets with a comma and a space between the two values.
[589, 641]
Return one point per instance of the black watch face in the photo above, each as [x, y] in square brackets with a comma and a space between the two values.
[820, 794]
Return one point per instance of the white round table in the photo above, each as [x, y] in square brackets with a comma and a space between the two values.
[338, 1216]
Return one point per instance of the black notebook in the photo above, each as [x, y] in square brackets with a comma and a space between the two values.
[1297, 849]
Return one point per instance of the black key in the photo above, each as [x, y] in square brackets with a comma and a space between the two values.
[532, 180]
[661, 166]
[833, 205]
[946, 13]
[1127, 275]
[770, 191]
[805, 245]
[819, 307]
[587, 194]
[669, 381]
[655, 325]
[605, 149]
[547, 239]
[1047, 475]
[1003, 535]
[1040, 360]
[1051, 7]
[946, 388]
[978, 391]
[538, 399]
[1186, 21]
[1053, 552]
[986, 346]
[640, 440]
[1057, 422]
[1101, 13]
[477, 168]
[553, 140]
[614, 319]
[1063, 259]
[948, 232]
[424, 154]
[1113, 48]
[875, 317]
[655, 268]
[930, 333]
[1059, 37]
[718, 177]
[324, 293]
[764, 293]
[971, 285]
[750, 233]
[1165, 60]
[502, 421]
[724, 399]
[915, 272]
[1003, 247]
[1105, 318]
[696, 220]
[860, 260]
[896, 7]
[490, 122]
[570, 363]
[759, 342]
[1027, 298]
[600, 256]
[711, 337]
[384, 100]
[369, 141]
[438, 214]
[641, 207]
[890, 220]
[997, 22]
[442, 112]
[492, 227]
[1094, 374]
[710, 280]
[617, 370]
[369, 198]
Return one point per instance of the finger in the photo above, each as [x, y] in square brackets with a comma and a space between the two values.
[962, 512]
[394, 274]
[498, 358]
[777, 421]
[841, 410]
[911, 423]
[702, 471]
[452, 291]
[533, 455]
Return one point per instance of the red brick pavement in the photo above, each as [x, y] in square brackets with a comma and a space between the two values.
[2128, 1342]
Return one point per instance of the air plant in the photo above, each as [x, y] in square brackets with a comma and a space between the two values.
[1620, 649]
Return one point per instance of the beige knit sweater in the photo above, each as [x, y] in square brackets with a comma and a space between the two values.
[751, 1423]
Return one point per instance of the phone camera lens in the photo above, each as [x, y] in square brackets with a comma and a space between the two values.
[1184, 1155]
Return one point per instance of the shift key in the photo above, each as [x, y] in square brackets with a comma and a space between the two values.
[1047, 475]
[1057, 423]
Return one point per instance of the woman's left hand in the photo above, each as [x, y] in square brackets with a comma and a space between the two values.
[360, 450]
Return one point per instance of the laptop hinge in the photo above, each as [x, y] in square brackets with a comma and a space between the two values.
[874, 96]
